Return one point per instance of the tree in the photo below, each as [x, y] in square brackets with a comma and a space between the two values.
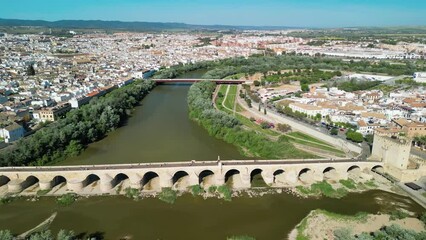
[354, 136]
[343, 234]
[65, 235]
[6, 235]
[283, 127]
[305, 87]
[369, 138]
[46, 235]
[256, 83]
[30, 70]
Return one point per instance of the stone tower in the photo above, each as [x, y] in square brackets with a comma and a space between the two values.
[393, 150]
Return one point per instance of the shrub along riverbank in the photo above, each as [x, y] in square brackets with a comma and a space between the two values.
[225, 126]
[68, 136]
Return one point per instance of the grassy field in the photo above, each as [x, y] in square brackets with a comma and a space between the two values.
[230, 98]
[308, 138]
[304, 139]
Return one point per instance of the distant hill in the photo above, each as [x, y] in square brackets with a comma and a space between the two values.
[131, 26]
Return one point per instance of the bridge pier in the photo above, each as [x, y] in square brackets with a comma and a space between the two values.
[193, 179]
[291, 177]
[268, 178]
[45, 185]
[15, 185]
[137, 184]
[219, 179]
[245, 180]
[166, 182]
[106, 183]
[75, 185]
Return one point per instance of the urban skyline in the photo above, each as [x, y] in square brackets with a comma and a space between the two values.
[322, 13]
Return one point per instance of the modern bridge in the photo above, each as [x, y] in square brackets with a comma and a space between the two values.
[278, 173]
[189, 80]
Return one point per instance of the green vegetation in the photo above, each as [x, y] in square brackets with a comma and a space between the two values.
[230, 98]
[422, 217]
[354, 136]
[398, 214]
[357, 85]
[387, 232]
[227, 127]
[241, 238]
[322, 188]
[226, 192]
[6, 235]
[263, 64]
[349, 183]
[308, 138]
[132, 193]
[68, 136]
[410, 82]
[212, 189]
[196, 190]
[168, 195]
[370, 183]
[282, 127]
[43, 235]
[6, 200]
[301, 229]
[305, 77]
[67, 199]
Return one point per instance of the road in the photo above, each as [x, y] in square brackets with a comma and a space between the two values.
[275, 117]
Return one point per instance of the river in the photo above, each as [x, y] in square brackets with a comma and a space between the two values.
[266, 217]
[160, 130]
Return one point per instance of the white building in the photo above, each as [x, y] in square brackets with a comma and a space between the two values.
[12, 132]
[420, 77]
[309, 110]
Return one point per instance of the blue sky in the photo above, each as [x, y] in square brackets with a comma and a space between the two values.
[298, 13]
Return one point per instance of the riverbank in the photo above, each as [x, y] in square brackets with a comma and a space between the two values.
[68, 136]
[320, 224]
[229, 128]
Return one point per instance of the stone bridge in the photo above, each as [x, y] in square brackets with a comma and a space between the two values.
[179, 175]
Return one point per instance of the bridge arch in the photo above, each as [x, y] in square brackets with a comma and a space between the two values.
[30, 181]
[58, 180]
[256, 178]
[205, 178]
[120, 178]
[353, 168]
[328, 169]
[180, 179]
[330, 173]
[91, 180]
[305, 175]
[4, 180]
[230, 174]
[377, 168]
[278, 176]
[150, 181]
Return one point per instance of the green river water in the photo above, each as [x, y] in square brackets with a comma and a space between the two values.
[161, 131]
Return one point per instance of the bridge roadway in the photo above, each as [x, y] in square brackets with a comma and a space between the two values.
[205, 173]
[190, 80]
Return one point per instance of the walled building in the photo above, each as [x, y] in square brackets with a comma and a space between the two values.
[394, 151]
[53, 113]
